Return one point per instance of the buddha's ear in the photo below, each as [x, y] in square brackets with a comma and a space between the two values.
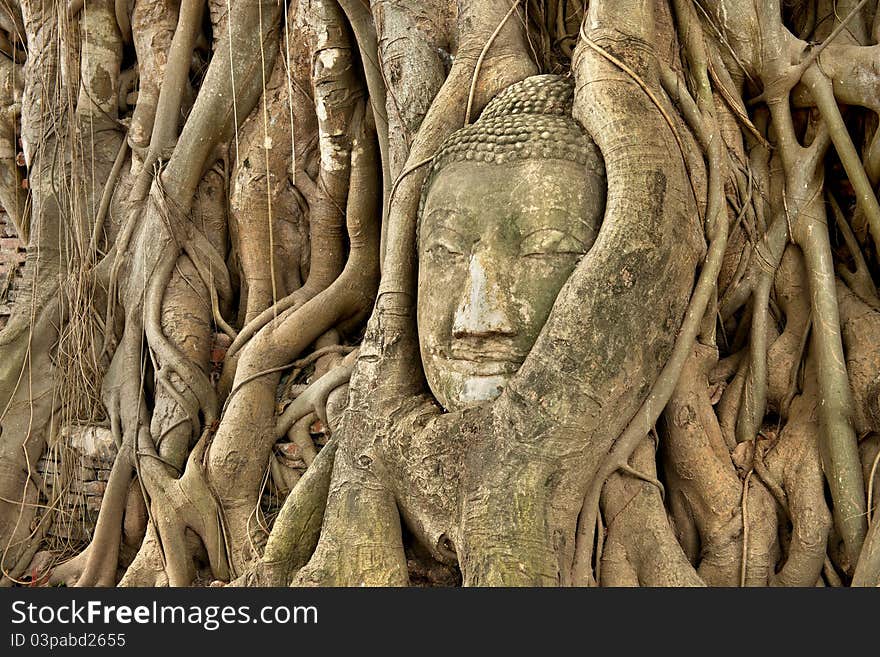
[422, 200]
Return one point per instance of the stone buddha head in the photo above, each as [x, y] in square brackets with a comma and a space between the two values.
[510, 206]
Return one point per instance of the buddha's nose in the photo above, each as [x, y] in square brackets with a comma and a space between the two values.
[482, 311]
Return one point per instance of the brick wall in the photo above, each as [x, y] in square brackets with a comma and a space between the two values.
[12, 256]
[12, 251]
[75, 474]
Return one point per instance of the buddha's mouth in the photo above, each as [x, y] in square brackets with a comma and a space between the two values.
[490, 352]
[491, 360]
[482, 365]
[470, 360]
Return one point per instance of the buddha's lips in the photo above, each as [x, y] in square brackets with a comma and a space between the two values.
[482, 367]
[459, 351]
[481, 362]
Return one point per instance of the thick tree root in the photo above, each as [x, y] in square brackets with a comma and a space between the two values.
[641, 548]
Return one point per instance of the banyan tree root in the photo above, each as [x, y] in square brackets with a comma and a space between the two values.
[295, 532]
[519, 444]
[276, 163]
[705, 489]
[640, 548]
[347, 299]
[859, 323]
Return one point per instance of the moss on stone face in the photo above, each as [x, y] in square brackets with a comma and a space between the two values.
[497, 244]
[511, 205]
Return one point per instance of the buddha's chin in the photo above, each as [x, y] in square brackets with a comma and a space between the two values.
[459, 384]
[471, 390]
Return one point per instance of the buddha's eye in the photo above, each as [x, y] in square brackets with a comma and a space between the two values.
[446, 244]
[549, 242]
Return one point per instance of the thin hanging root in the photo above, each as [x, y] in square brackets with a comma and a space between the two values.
[745, 528]
[69, 572]
[859, 281]
[628, 469]
[721, 78]
[823, 94]
[211, 284]
[654, 99]
[871, 489]
[170, 357]
[867, 571]
[479, 65]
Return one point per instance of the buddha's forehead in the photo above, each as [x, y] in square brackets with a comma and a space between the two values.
[475, 196]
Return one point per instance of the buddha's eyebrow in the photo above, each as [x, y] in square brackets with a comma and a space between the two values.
[443, 214]
[552, 208]
[442, 227]
[568, 215]
[442, 211]
[554, 230]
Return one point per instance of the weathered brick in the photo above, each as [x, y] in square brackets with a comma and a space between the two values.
[94, 488]
[95, 463]
[91, 442]
[288, 450]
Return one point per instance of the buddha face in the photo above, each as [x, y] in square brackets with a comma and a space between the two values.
[496, 245]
